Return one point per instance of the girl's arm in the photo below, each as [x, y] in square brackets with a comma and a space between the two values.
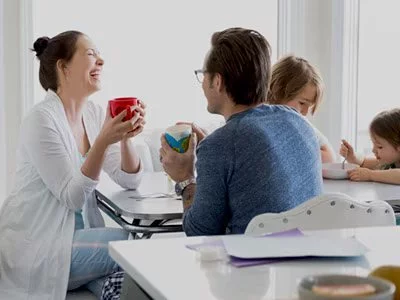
[327, 154]
[386, 176]
[347, 151]
[369, 163]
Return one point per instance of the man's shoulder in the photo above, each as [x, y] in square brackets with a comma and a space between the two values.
[218, 136]
[266, 118]
[265, 113]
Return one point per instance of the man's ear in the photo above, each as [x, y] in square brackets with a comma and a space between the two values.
[218, 82]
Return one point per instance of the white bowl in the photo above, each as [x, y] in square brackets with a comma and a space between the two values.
[335, 171]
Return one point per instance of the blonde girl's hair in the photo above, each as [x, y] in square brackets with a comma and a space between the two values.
[289, 76]
[386, 125]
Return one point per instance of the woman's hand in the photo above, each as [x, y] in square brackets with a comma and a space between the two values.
[140, 113]
[114, 129]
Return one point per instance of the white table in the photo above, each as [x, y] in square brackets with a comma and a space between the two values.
[119, 205]
[175, 272]
[366, 191]
[137, 214]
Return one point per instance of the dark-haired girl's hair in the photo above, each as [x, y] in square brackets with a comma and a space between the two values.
[49, 51]
[386, 125]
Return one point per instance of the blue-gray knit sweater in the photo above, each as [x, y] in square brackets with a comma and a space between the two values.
[265, 159]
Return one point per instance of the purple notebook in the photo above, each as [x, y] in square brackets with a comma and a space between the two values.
[240, 262]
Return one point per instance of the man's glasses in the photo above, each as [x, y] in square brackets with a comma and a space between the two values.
[199, 75]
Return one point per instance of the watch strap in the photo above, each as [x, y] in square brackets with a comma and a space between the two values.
[180, 186]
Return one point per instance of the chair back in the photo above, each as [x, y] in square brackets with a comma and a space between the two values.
[327, 211]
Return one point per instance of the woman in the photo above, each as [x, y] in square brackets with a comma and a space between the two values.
[296, 83]
[52, 234]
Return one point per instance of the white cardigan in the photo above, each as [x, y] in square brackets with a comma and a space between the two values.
[37, 220]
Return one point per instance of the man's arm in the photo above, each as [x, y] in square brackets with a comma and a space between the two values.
[208, 213]
[188, 196]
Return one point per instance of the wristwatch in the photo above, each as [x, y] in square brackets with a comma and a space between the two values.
[180, 186]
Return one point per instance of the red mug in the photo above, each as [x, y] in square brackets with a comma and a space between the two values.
[117, 105]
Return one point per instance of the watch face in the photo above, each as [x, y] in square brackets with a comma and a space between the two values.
[178, 189]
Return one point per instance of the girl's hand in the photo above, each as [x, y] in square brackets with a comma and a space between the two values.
[360, 174]
[114, 129]
[347, 151]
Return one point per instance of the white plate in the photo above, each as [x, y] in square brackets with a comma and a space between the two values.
[335, 171]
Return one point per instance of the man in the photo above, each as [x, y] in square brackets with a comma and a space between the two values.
[264, 159]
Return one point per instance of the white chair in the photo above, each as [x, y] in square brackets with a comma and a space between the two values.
[327, 211]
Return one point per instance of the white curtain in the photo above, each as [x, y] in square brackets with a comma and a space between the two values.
[16, 96]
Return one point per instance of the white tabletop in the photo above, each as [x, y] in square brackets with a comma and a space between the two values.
[124, 202]
[363, 191]
[166, 269]
[163, 208]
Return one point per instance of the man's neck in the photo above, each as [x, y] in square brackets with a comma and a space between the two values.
[236, 108]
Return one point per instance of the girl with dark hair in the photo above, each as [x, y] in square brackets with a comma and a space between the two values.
[52, 234]
[385, 166]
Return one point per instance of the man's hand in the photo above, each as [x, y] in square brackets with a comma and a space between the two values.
[179, 166]
[360, 174]
[200, 132]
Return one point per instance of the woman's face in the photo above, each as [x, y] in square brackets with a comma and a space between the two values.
[305, 100]
[83, 72]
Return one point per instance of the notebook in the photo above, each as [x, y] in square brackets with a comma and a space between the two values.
[250, 247]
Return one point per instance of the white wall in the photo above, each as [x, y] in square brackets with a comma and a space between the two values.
[3, 170]
[151, 53]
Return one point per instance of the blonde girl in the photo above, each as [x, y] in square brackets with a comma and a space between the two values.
[296, 83]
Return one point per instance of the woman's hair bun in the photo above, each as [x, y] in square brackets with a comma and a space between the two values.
[40, 45]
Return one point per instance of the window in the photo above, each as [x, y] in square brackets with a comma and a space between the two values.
[150, 52]
[378, 72]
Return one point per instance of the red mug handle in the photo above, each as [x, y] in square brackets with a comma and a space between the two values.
[129, 114]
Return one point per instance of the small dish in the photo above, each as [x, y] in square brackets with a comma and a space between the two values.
[336, 171]
[384, 290]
